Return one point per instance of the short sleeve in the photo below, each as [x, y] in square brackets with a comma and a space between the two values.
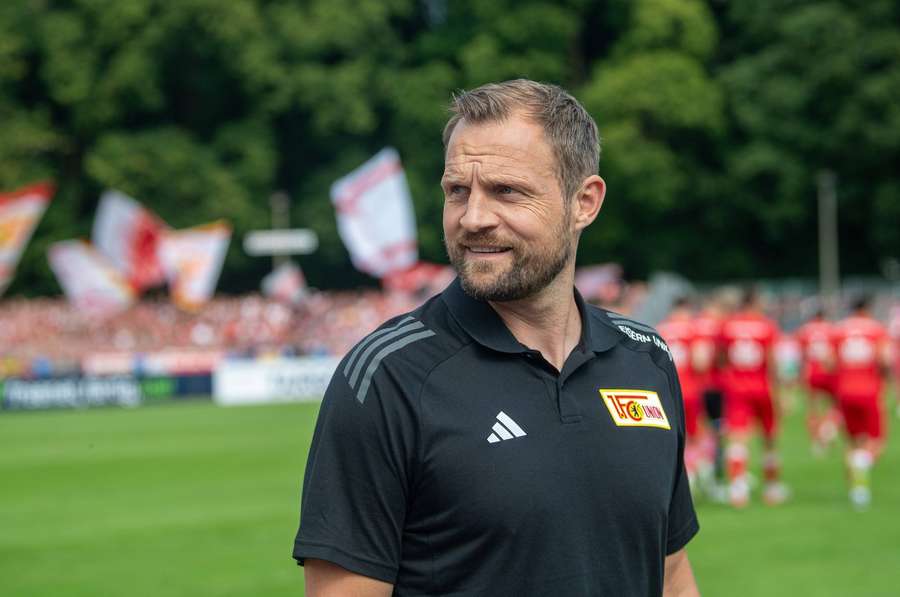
[682, 520]
[355, 489]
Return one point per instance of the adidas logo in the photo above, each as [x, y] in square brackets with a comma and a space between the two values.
[363, 362]
[504, 429]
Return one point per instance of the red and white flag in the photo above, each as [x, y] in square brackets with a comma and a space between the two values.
[375, 215]
[128, 234]
[286, 283]
[20, 212]
[192, 260]
[88, 279]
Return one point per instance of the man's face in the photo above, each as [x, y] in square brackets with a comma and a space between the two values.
[507, 228]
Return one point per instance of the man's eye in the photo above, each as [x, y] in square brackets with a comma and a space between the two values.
[505, 190]
[456, 190]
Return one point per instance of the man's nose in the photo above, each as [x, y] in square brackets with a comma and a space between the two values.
[479, 213]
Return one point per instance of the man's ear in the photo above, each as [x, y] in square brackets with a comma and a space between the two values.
[588, 201]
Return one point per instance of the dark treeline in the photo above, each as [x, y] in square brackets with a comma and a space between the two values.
[716, 117]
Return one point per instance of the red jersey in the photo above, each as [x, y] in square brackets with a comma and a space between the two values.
[815, 339]
[747, 339]
[678, 332]
[859, 344]
[706, 329]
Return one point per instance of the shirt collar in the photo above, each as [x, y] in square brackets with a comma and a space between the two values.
[482, 323]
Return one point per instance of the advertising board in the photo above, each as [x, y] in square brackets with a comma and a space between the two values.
[238, 381]
[70, 392]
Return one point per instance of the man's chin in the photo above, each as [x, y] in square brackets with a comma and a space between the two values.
[477, 289]
[483, 267]
[485, 287]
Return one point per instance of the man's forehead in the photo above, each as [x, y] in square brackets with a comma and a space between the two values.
[463, 154]
[514, 143]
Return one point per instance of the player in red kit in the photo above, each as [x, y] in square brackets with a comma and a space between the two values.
[678, 332]
[705, 364]
[861, 363]
[747, 340]
[814, 338]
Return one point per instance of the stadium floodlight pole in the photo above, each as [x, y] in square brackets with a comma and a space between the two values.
[829, 255]
[280, 203]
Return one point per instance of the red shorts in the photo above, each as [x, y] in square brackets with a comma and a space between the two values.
[862, 416]
[742, 410]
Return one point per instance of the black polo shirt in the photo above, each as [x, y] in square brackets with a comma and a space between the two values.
[450, 459]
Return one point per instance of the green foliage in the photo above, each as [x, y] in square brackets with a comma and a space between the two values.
[684, 27]
[657, 107]
[811, 92]
[715, 117]
[512, 40]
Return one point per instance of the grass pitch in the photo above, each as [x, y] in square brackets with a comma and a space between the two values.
[194, 500]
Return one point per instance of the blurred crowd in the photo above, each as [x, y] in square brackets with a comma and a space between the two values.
[47, 336]
[39, 337]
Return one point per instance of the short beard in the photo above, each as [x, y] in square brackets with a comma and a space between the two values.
[529, 274]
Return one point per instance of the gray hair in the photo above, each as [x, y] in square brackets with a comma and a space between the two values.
[568, 127]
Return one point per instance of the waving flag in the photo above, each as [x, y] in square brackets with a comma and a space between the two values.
[375, 215]
[88, 279]
[20, 212]
[128, 234]
[192, 260]
[285, 284]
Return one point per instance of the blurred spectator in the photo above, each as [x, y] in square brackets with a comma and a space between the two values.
[42, 336]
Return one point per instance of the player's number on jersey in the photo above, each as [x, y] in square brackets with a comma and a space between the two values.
[746, 354]
[857, 351]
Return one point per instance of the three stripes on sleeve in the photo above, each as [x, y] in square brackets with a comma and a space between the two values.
[365, 359]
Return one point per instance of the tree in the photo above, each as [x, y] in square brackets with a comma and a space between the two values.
[715, 117]
[815, 89]
[660, 114]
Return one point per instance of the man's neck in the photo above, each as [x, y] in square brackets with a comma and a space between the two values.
[548, 322]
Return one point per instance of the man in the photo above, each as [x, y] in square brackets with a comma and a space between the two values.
[814, 338]
[861, 359]
[705, 363]
[747, 341]
[505, 438]
[678, 331]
